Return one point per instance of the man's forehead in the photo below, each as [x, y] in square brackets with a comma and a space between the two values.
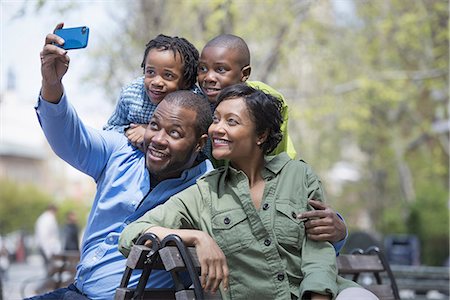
[172, 112]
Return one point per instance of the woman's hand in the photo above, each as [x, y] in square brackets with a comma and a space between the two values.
[214, 268]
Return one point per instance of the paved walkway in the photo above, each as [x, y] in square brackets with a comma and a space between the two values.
[20, 273]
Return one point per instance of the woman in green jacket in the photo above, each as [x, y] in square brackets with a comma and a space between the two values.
[242, 218]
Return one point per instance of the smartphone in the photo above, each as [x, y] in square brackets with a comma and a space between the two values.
[75, 38]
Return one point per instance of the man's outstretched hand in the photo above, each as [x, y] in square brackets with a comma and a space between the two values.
[54, 64]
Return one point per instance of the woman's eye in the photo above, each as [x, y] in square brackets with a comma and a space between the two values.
[232, 122]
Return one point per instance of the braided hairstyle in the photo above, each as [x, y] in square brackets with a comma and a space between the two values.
[188, 52]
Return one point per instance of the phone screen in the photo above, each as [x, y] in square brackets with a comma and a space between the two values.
[74, 38]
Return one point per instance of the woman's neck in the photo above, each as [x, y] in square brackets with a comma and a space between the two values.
[252, 167]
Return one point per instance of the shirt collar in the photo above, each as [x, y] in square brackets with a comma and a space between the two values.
[273, 164]
[276, 163]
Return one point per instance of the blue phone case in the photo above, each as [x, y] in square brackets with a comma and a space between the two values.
[75, 38]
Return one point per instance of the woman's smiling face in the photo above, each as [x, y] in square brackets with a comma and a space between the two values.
[232, 132]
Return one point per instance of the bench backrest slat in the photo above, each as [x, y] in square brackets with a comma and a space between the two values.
[369, 262]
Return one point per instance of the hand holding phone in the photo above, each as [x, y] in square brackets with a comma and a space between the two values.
[74, 38]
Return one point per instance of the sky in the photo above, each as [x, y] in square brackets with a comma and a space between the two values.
[22, 38]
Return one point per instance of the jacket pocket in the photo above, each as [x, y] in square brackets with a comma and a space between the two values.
[231, 230]
[288, 229]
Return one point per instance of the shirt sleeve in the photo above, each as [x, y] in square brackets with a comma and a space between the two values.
[285, 144]
[84, 148]
[316, 192]
[314, 185]
[318, 258]
[318, 268]
[181, 211]
[338, 245]
[118, 120]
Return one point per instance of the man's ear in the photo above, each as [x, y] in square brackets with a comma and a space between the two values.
[245, 73]
[201, 142]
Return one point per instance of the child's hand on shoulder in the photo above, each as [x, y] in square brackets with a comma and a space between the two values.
[135, 134]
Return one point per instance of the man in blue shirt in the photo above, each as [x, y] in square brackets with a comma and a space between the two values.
[129, 182]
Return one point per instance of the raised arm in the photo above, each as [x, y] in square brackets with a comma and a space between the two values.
[82, 147]
[54, 65]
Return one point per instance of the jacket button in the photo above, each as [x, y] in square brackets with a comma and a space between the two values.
[294, 215]
[226, 220]
[266, 206]
[267, 242]
[280, 276]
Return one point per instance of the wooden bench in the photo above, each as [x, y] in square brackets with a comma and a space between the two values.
[371, 270]
[178, 258]
[162, 256]
[63, 269]
[422, 279]
[61, 273]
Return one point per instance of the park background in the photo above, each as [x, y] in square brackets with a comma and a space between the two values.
[366, 82]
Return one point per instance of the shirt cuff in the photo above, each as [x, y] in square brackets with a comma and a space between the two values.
[338, 245]
[49, 108]
[321, 283]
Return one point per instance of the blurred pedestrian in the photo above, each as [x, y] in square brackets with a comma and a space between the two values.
[4, 260]
[47, 234]
[71, 238]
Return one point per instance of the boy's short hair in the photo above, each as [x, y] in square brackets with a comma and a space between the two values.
[189, 55]
[198, 104]
[264, 109]
[231, 41]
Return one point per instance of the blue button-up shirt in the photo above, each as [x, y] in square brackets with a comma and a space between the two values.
[123, 194]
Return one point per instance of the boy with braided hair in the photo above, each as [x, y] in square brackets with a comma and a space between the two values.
[169, 64]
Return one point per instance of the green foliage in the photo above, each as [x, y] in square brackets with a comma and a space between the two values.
[393, 220]
[20, 206]
[429, 219]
